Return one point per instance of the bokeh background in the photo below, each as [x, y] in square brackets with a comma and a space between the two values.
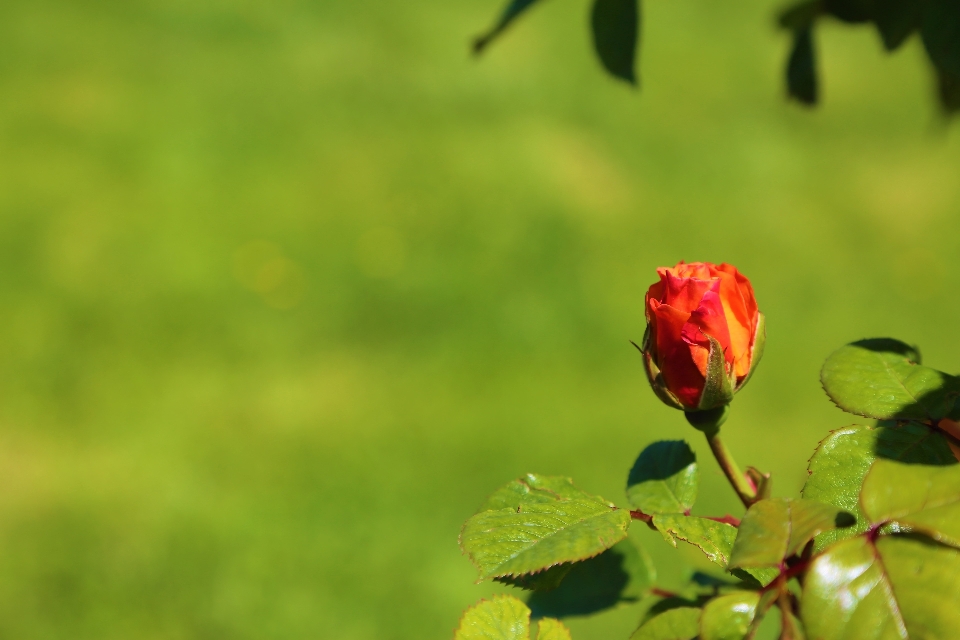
[286, 288]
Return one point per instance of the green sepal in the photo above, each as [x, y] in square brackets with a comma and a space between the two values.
[775, 529]
[718, 386]
[759, 342]
[654, 375]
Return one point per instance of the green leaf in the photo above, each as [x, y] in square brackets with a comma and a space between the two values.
[941, 34]
[616, 30]
[842, 460]
[896, 20]
[714, 538]
[728, 617]
[535, 488]
[682, 623]
[948, 90]
[622, 574]
[899, 587]
[545, 580]
[550, 629]
[500, 618]
[775, 529]
[921, 498]
[881, 378]
[510, 13]
[505, 618]
[539, 535]
[802, 68]
[664, 479]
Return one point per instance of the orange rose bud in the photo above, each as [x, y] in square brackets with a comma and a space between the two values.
[704, 335]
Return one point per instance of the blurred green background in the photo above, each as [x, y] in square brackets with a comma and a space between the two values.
[288, 287]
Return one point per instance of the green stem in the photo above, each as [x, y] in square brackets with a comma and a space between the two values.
[743, 487]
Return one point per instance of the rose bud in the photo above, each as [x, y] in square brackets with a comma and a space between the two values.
[704, 335]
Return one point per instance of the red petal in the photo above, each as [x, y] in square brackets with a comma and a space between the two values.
[676, 360]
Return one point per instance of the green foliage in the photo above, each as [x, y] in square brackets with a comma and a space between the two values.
[730, 616]
[898, 587]
[884, 379]
[664, 479]
[505, 618]
[538, 522]
[682, 623]
[619, 575]
[874, 542]
[921, 499]
[615, 25]
[842, 460]
[773, 530]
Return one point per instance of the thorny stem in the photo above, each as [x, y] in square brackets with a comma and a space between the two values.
[744, 488]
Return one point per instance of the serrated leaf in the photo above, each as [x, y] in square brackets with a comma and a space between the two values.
[896, 20]
[775, 529]
[513, 10]
[505, 618]
[545, 580]
[616, 31]
[802, 81]
[842, 460]
[507, 542]
[664, 479]
[899, 587]
[728, 617]
[682, 623]
[500, 618]
[924, 499]
[621, 574]
[536, 488]
[941, 34]
[550, 629]
[880, 378]
[714, 539]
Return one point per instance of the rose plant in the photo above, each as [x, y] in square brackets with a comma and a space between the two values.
[870, 549]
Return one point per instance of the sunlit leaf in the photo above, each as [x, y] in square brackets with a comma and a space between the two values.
[881, 378]
[775, 529]
[500, 618]
[616, 32]
[664, 479]
[728, 617]
[714, 539]
[922, 498]
[898, 587]
[536, 488]
[842, 460]
[545, 580]
[682, 623]
[509, 542]
[505, 618]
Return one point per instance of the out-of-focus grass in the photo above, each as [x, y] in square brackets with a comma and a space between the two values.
[288, 287]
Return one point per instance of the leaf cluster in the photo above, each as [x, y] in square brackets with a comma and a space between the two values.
[871, 548]
[616, 30]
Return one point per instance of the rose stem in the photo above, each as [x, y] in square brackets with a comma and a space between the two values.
[730, 468]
